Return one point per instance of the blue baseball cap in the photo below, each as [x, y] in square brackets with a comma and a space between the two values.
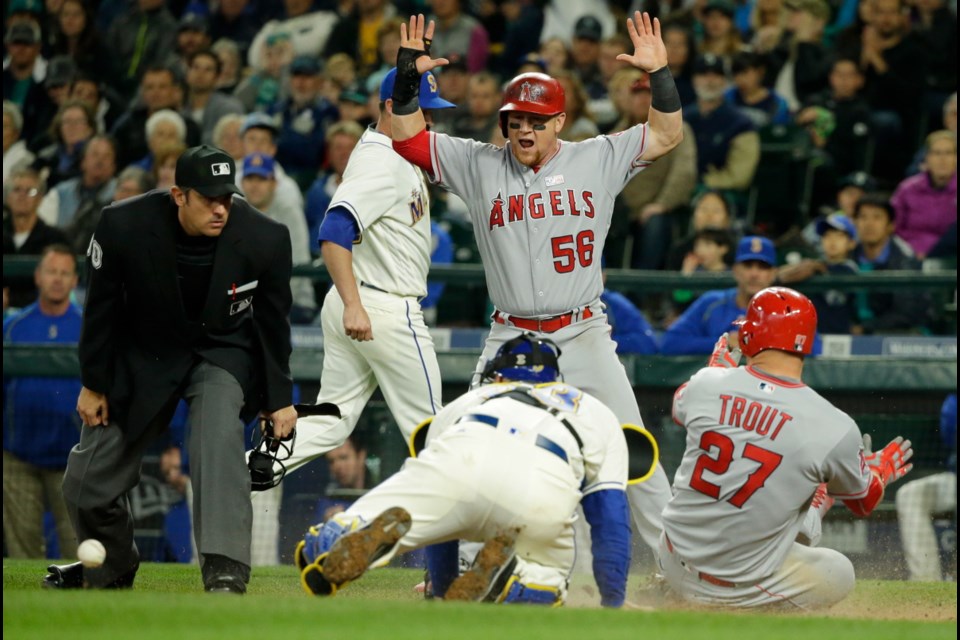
[837, 221]
[756, 248]
[429, 92]
[260, 120]
[258, 164]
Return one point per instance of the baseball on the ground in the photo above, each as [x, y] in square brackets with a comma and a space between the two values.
[91, 553]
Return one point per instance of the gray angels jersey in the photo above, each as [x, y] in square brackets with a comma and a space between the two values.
[540, 233]
[757, 447]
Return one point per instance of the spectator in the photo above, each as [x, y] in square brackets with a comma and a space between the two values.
[441, 252]
[681, 54]
[71, 128]
[628, 326]
[482, 120]
[74, 205]
[75, 35]
[61, 70]
[258, 134]
[23, 78]
[157, 91]
[720, 34]
[231, 67]
[226, 136]
[459, 33]
[234, 20]
[163, 129]
[918, 501]
[453, 80]
[652, 196]
[601, 106]
[15, 152]
[894, 69]
[262, 89]
[585, 55]
[102, 100]
[165, 164]
[711, 253]
[204, 104]
[848, 191]
[356, 34]
[341, 138]
[555, 55]
[767, 20]
[836, 308]
[838, 120]
[40, 422]
[711, 210]
[934, 28]
[797, 66]
[728, 147]
[524, 22]
[879, 250]
[259, 188]
[131, 182]
[303, 119]
[763, 106]
[139, 40]
[580, 123]
[926, 204]
[388, 46]
[192, 37]
[353, 104]
[306, 28]
[949, 123]
[24, 233]
[715, 312]
[350, 477]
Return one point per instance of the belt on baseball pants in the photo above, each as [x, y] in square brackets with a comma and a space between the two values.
[542, 441]
[544, 325]
[702, 575]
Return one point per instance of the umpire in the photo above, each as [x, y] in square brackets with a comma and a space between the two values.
[189, 297]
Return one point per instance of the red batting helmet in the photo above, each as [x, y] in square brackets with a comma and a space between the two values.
[531, 93]
[778, 318]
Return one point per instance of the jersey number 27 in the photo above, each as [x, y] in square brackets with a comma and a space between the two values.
[720, 463]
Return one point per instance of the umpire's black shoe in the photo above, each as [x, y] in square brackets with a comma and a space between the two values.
[70, 576]
[225, 583]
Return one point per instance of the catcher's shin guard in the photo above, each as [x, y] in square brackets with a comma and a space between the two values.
[491, 570]
[355, 552]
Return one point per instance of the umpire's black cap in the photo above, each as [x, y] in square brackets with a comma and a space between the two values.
[207, 170]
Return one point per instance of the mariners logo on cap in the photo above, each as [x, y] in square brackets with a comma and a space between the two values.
[530, 92]
[220, 169]
[756, 245]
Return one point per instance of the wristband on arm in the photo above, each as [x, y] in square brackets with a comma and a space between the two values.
[406, 88]
[664, 97]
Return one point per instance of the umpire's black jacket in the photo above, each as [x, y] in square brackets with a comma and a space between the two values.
[136, 345]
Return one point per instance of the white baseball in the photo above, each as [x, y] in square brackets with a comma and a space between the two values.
[91, 553]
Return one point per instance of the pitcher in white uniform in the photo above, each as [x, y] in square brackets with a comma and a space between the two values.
[541, 209]
[766, 457]
[375, 242]
[507, 464]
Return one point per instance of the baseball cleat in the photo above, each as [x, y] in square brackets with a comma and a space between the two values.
[489, 573]
[352, 555]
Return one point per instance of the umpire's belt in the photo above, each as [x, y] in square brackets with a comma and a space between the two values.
[702, 575]
[543, 325]
[542, 441]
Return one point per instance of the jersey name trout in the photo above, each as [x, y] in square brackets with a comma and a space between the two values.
[751, 415]
[554, 202]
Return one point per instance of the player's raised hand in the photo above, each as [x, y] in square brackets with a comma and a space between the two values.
[356, 323]
[649, 52]
[418, 36]
[892, 462]
[724, 356]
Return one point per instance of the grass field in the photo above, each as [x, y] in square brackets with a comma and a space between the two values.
[168, 603]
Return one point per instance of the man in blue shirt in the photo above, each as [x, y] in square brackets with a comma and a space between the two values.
[697, 330]
[40, 422]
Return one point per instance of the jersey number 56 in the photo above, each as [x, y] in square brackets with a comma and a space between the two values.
[567, 252]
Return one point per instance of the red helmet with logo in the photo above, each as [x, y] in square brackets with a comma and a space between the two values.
[532, 93]
[778, 318]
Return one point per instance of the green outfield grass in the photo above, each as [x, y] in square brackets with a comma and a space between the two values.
[168, 603]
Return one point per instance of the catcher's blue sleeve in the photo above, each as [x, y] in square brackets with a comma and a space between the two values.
[609, 518]
[443, 565]
[339, 227]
